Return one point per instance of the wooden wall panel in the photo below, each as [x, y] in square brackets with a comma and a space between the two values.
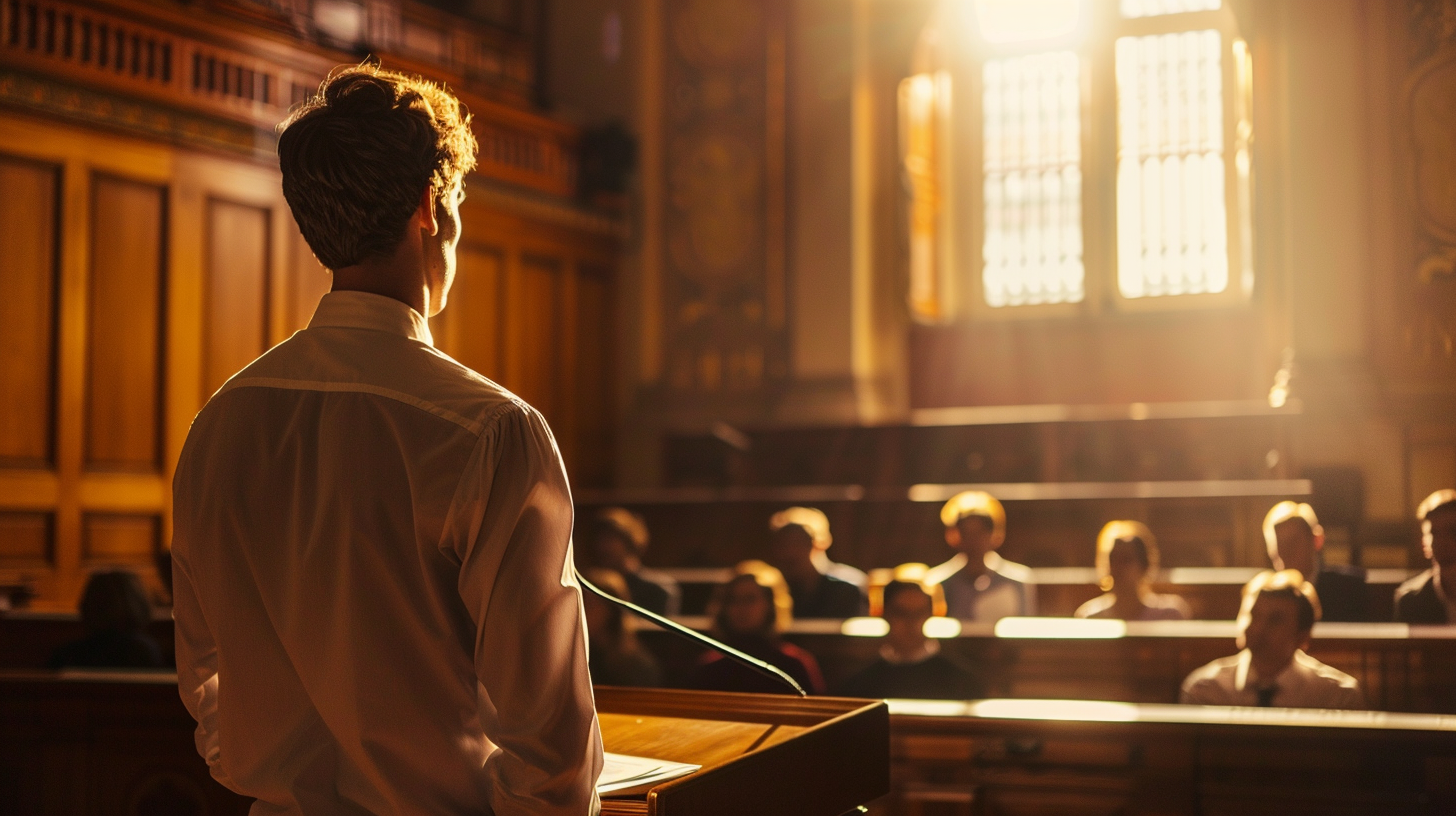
[117, 537]
[26, 538]
[593, 403]
[235, 310]
[29, 210]
[470, 327]
[307, 280]
[124, 316]
[533, 355]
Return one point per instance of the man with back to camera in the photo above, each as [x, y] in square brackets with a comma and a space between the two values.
[1295, 540]
[979, 584]
[375, 608]
[1430, 598]
[1278, 613]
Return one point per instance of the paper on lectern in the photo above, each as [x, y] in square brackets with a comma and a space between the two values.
[624, 775]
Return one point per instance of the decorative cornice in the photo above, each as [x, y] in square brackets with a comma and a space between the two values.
[89, 107]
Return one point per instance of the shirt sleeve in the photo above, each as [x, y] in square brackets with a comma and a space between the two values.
[516, 582]
[196, 654]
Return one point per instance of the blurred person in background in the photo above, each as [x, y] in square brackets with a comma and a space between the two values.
[616, 658]
[820, 587]
[749, 613]
[1278, 613]
[978, 583]
[1127, 560]
[912, 664]
[1430, 598]
[115, 614]
[616, 540]
[1296, 541]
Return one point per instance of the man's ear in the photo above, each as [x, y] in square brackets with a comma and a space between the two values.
[953, 536]
[425, 212]
[1319, 540]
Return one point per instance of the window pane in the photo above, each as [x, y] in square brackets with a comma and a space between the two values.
[1013, 21]
[1033, 180]
[1172, 232]
[1153, 8]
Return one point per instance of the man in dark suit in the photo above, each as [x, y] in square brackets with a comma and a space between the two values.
[1430, 598]
[1295, 538]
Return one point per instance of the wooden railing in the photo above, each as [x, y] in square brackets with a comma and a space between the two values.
[201, 63]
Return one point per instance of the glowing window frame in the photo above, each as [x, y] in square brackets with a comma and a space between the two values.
[957, 266]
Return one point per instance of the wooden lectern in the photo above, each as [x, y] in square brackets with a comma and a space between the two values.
[761, 754]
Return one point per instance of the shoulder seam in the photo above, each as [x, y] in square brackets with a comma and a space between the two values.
[476, 427]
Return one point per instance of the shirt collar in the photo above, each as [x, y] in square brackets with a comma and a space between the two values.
[365, 310]
[1244, 673]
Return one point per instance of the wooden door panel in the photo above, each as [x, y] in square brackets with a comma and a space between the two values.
[29, 210]
[470, 326]
[532, 369]
[235, 311]
[113, 537]
[593, 403]
[124, 320]
[26, 539]
[308, 280]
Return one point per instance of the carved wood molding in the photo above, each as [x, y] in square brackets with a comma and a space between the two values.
[161, 73]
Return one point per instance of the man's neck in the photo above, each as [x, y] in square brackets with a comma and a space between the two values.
[1266, 672]
[400, 275]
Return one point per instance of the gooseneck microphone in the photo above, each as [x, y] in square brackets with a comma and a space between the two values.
[766, 669]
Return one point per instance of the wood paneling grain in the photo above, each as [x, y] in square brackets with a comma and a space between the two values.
[116, 537]
[26, 538]
[29, 211]
[125, 322]
[470, 327]
[235, 311]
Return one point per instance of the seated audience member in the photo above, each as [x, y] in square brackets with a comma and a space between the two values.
[820, 587]
[1127, 560]
[616, 540]
[979, 584]
[115, 614]
[616, 658]
[1430, 598]
[748, 613]
[1278, 612]
[910, 664]
[1295, 540]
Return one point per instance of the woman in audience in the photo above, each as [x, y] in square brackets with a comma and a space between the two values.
[1127, 560]
[115, 614]
[617, 659]
[748, 613]
[910, 663]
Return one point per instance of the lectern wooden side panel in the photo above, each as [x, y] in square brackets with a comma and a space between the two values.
[761, 753]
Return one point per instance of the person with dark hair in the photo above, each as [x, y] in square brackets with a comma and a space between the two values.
[1279, 610]
[616, 540]
[749, 613]
[979, 584]
[1430, 598]
[1127, 560]
[911, 664]
[617, 659]
[372, 543]
[820, 587]
[115, 614]
[1296, 540]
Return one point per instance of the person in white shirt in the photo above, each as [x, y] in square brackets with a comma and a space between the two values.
[979, 584]
[375, 609]
[1279, 610]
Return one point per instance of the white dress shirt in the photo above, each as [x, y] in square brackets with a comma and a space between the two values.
[1305, 683]
[374, 602]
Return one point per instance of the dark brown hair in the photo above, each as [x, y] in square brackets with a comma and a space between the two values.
[114, 601]
[358, 155]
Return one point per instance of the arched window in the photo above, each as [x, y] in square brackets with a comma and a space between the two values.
[1076, 157]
